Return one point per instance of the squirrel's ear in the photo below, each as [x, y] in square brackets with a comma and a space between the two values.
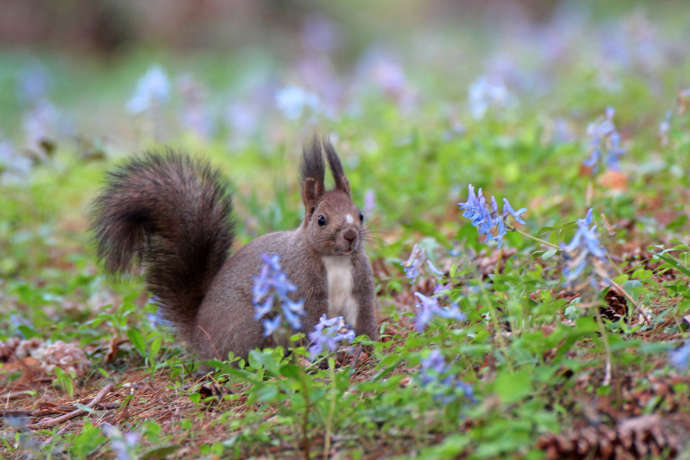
[341, 182]
[311, 192]
[312, 174]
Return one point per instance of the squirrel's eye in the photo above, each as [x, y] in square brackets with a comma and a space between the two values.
[361, 217]
[321, 220]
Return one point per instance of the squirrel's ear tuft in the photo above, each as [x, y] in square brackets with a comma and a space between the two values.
[312, 174]
[341, 182]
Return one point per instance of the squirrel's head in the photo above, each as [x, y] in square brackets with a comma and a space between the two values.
[334, 224]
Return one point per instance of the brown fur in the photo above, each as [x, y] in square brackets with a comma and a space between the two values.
[172, 213]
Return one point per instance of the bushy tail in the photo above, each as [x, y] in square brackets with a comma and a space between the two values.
[172, 214]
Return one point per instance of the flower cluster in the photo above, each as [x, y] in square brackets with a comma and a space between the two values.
[488, 92]
[328, 334]
[583, 248]
[152, 90]
[123, 444]
[428, 307]
[679, 358]
[435, 374]
[272, 285]
[604, 138]
[489, 222]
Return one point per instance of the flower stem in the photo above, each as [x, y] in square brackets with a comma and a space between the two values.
[607, 349]
[535, 238]
[331, 410]
[305, 419]
[497, 327]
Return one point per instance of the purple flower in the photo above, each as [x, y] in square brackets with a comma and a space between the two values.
[152, 90]
[270, 297]
[436, 374]
[603, 138]
[328, 334]
[488, 221]
[679, 358]
[584, 247]
[428, 307]
[123, 445]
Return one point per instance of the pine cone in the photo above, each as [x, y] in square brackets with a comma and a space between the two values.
[633, 438]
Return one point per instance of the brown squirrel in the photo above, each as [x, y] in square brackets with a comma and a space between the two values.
[171, 213]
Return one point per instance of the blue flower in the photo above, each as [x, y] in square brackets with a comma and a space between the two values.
[270, 297]
[603, 138]
[328, 334]
[679, 358]
[509, 211]
[369, 202]
[583, 248]
[262, 309]
[292, 312]
[157, 319]
[152, 90]
[33, 83]
[414, 263]
[428, 307]
[489, 222]
[485, 93]
[293, 100]
[123, 445]
[434, 373]
[271, 325]
[665, 128]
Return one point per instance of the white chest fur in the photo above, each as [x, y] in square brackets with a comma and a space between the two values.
[341, 302]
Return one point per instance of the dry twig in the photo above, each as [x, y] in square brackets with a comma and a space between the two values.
[75, 413]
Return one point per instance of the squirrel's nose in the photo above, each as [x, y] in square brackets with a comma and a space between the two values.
[350, 235]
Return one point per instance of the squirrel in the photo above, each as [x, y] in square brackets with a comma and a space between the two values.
[171, 213]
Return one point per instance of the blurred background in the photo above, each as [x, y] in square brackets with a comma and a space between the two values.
[460, 90]
[224, 70]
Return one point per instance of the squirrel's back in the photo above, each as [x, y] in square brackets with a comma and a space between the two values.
[173, 214]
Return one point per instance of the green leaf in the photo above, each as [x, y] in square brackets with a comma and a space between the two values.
[513, 386]
[266, 393]
[155, 348]
[675, 263]
[137, 341]
[290, 371]
[549, 254]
